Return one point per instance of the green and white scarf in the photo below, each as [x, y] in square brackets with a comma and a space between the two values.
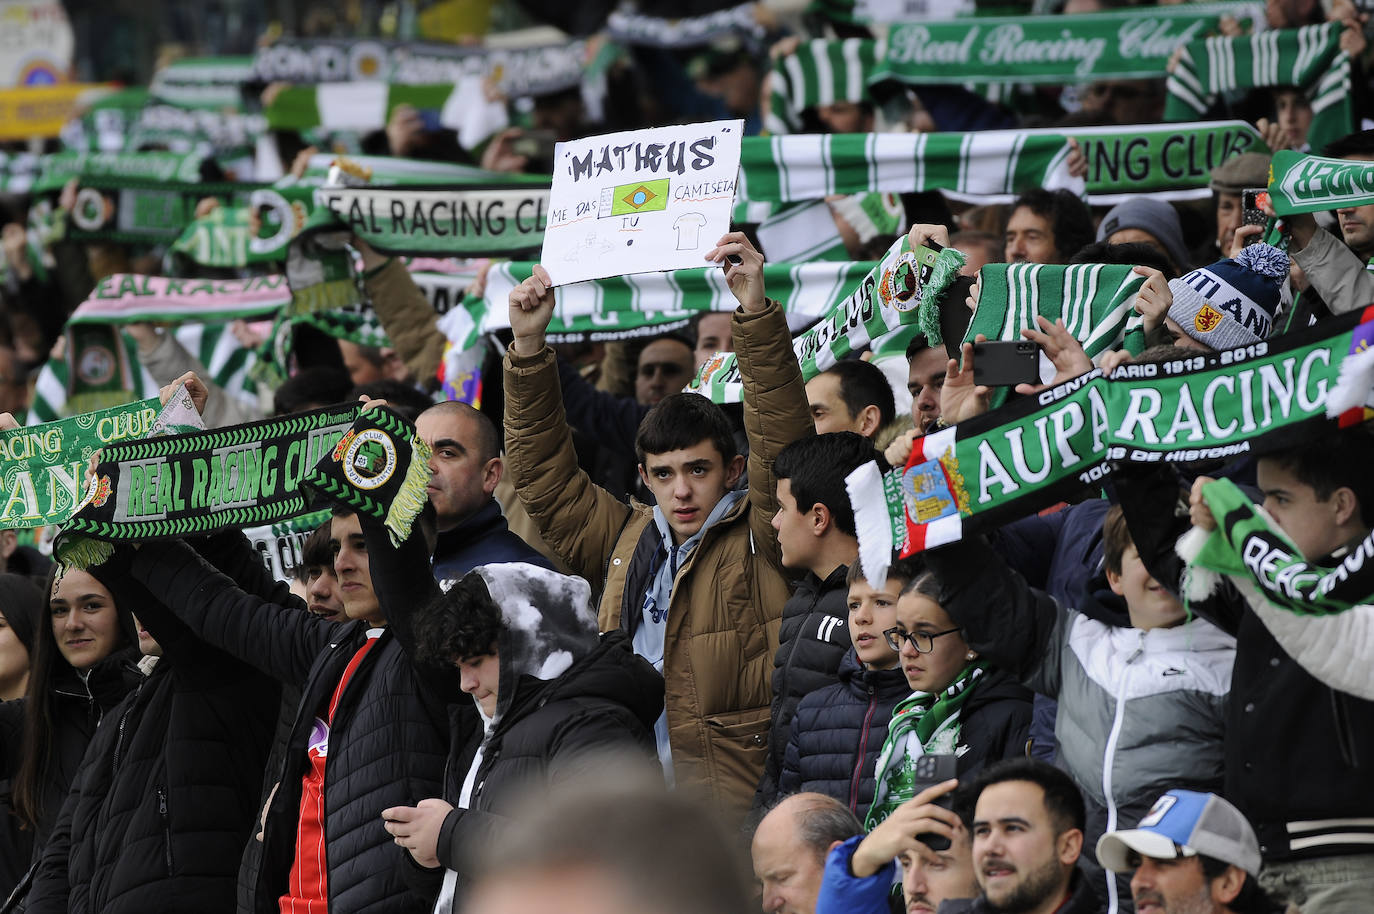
[818, 72]
[905, 288]
[1119, 44]
[200, 482]
[380, 468]
[442, 220]
[1308, 184]
[991, 165]
[1309, 58]
[100, 369]
[1255, 553]
[41, 465]
[514, 72]
[922, 724]
[1040, 449]
[629, 27]
[204, 82]
[282, 544]
[125, 298]
[150, 168]
[1169, 161]
[621, 307]
[366, 106]
[1095, 301]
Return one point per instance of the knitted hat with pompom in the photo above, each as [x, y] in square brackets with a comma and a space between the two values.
[1232, 302]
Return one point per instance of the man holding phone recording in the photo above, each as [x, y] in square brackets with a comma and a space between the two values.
[859, 873]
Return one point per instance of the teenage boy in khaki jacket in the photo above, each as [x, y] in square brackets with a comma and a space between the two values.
[697, 580]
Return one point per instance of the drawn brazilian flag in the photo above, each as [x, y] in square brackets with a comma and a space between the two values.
[640, 197]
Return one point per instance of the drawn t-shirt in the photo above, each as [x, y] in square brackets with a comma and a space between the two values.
[688, 228]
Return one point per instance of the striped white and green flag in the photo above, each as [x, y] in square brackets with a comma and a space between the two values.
[620, 307]
[1309, 58]
[366, 106]
[204, 82]
[989, 166]
[61, 385]
[819, 72]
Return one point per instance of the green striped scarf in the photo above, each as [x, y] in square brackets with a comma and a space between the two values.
[1249, 548]
[102, 370]
[904, 289]
[204, 82]
[922, 724]
[1309, 58]
[1094, 301]
[819, 72]
[991, 165]
[620, 307]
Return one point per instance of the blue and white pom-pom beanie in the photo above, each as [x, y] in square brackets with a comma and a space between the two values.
[1232, 302]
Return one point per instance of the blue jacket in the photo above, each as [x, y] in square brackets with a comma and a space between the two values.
[838, 732]
[482, 539]
[844, 893]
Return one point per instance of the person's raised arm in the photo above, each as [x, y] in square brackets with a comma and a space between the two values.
[776, 412]
[580, 520]
[281, 642]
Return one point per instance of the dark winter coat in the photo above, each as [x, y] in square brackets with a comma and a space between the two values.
[609, 699]
[812, 646]
[838, 733]
[80, 706]
[1082, 900]
[167, 795]
[388, 738]
[482, 539]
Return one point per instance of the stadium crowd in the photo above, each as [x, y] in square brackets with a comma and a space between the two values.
[640, 643]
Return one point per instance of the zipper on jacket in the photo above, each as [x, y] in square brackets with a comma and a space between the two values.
[863, 752]
[1107, 755]
[119, 738]
[166, 826]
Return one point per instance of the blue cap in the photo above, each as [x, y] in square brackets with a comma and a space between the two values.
[1184, 823]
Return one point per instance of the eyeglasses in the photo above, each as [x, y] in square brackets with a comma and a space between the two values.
[921, 642]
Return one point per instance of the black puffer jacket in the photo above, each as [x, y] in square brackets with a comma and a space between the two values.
[81, 703]
[838, 732]
[812, 642]
[387, 744]
[168, 791]
[994, 723]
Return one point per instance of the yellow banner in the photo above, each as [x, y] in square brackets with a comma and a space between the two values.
[41, 110]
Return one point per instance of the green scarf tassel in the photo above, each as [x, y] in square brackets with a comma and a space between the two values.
[948, 263]
[413, 494]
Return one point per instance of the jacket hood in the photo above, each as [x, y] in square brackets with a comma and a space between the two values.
[1098, 601]
[548, 623]
[612, 671]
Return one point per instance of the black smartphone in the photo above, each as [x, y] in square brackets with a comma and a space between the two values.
[536, 145]
[929, 770]
[1006, 363]
[1250, 211]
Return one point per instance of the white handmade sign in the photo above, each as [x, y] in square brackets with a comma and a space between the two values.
[640, 201]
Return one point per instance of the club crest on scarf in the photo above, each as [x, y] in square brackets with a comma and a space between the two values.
[369, 459]
[901, 284]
